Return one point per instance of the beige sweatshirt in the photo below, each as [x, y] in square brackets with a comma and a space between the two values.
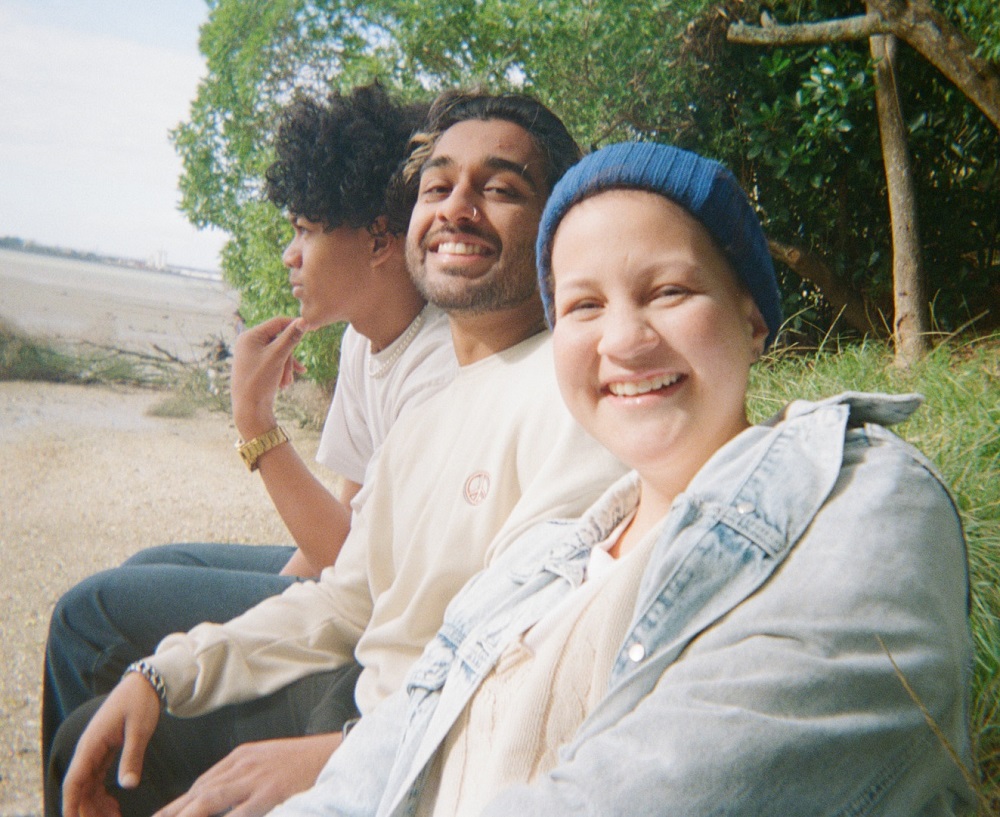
[457, 479]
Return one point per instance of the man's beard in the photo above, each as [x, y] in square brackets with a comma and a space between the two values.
[510, 282]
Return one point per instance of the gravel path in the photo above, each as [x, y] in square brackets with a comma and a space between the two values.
[86, 479]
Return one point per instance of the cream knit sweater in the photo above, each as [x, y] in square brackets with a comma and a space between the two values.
[534, 700]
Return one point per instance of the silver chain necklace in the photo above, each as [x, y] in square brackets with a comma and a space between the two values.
[379, 368]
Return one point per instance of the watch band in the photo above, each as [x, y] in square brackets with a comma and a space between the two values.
[252, 450]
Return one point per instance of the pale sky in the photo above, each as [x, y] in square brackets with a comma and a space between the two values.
[88, 92]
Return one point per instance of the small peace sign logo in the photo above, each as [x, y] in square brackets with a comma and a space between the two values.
[477, 487]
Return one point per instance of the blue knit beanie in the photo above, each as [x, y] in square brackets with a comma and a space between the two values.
[706, 189]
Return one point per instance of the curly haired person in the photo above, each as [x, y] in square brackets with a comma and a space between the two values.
[334, 159]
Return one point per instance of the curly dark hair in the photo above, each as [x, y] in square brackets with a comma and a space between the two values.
[547, 130]
[335, 158]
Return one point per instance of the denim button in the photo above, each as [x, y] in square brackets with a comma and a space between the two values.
[744, 507]
[636, 653]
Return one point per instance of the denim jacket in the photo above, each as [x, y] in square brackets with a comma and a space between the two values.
[813, 564]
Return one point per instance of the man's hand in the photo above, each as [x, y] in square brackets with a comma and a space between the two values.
[256, 777]
[125, 720]
[263, 363]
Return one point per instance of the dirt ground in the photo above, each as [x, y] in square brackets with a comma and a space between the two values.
[86, 479]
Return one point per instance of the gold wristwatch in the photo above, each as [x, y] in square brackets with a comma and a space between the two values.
[251, 451]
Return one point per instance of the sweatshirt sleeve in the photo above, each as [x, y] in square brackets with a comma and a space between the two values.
[311, 627]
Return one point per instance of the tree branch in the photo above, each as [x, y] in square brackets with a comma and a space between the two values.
[852, 308]
[917, 23]
[944, 46]
[829, 31]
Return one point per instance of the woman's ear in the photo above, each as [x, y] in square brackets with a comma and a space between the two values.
[757, 328]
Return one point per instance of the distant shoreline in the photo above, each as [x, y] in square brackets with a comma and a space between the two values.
[135, 308]
[32, 248]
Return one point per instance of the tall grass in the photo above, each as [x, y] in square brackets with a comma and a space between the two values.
[958, 427]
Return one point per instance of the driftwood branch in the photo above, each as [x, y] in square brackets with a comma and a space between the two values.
[165, 363]
[853, 309]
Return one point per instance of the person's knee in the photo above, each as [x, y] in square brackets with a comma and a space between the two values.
[64, 744]
[85, 633]
[72, 654]
[77, 608]
[172, 554]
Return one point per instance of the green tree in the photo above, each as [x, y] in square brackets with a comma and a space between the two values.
[796, 124]
[884, 24]
[257, 55]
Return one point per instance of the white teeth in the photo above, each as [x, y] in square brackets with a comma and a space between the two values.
[458, 248]
[635, 387]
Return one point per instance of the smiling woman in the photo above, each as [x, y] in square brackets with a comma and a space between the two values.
[729, 622]
[654, 336]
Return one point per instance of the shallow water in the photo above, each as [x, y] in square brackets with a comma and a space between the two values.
[137, 310]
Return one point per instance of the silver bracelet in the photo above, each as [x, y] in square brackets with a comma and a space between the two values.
[149, 672]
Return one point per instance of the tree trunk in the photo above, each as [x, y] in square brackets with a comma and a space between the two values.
[911, 323]
[944, 46]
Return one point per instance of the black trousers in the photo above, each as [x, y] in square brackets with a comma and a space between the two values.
[182, 749]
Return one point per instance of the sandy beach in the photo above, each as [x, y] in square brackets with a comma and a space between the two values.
[69, 300]
[88, 477]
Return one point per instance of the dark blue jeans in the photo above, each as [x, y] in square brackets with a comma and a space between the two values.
[115, 617]
[182, 749]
